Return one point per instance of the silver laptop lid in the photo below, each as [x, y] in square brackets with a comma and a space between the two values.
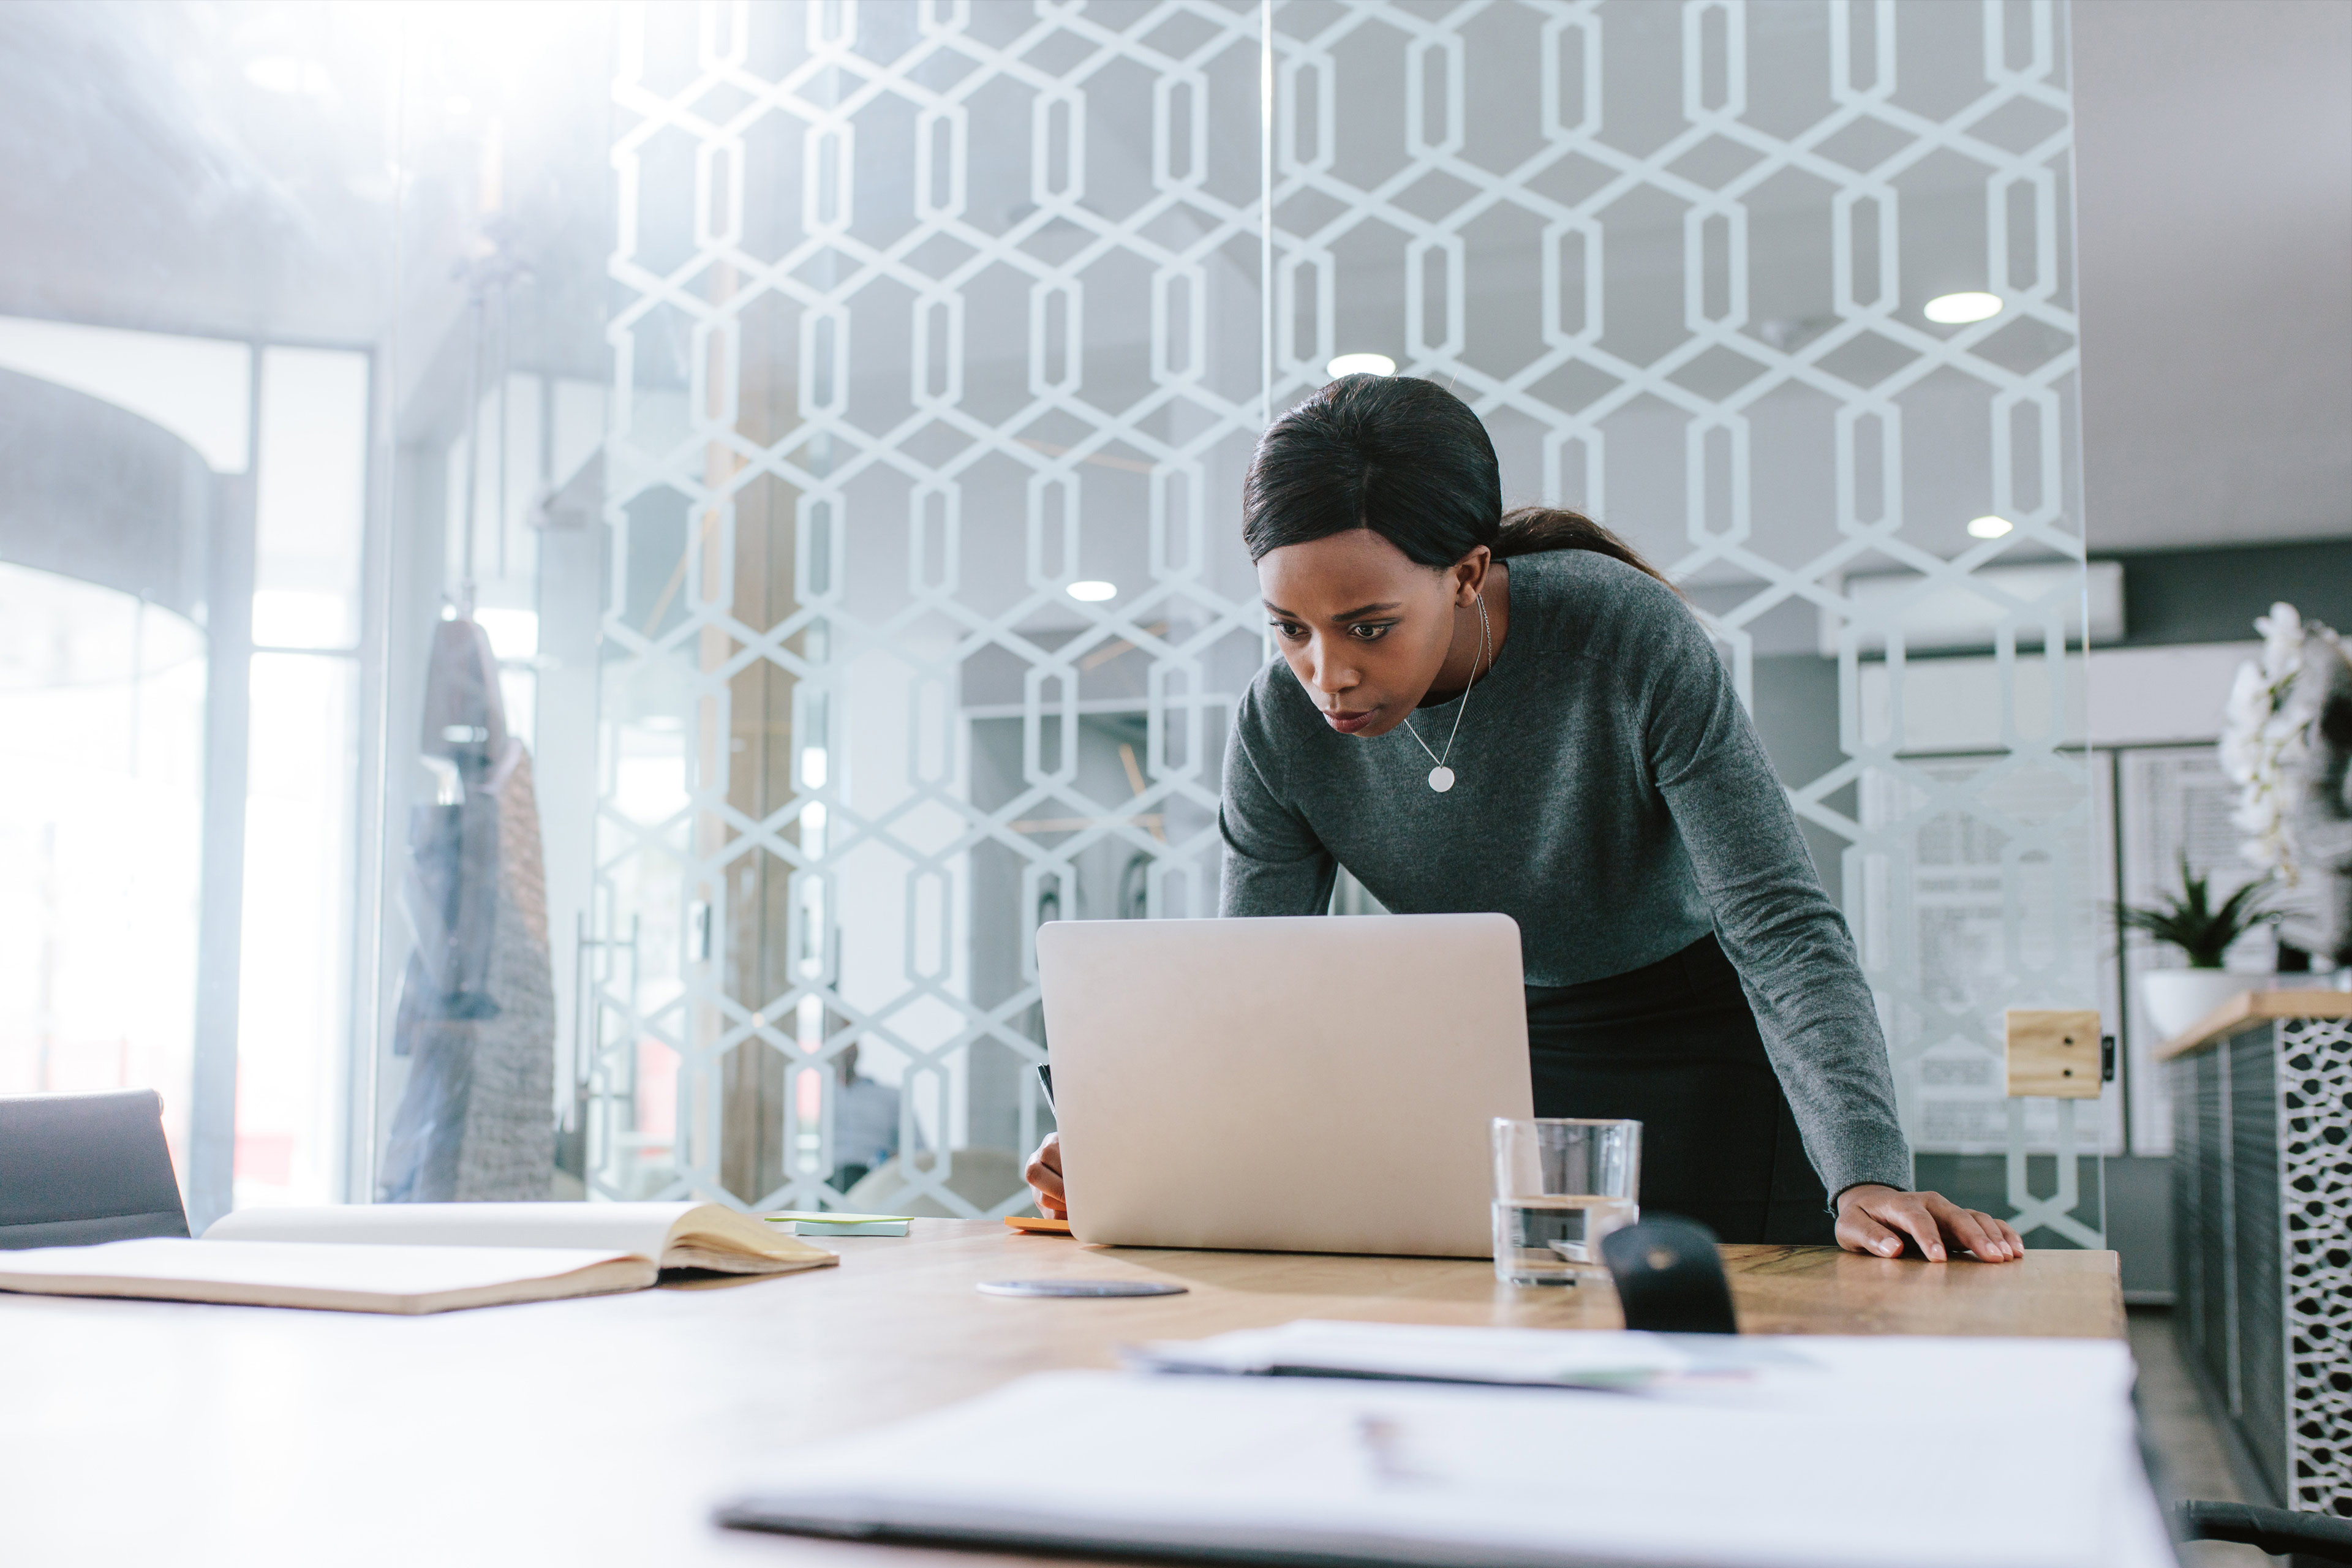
[1311, 1085]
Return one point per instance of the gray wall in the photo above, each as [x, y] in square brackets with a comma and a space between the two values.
[2213, 594]
[2213, 209]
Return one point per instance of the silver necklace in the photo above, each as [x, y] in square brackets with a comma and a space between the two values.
[1440, 777]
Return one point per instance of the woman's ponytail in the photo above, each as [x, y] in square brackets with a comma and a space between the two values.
[1409, 460]
[1532, 530]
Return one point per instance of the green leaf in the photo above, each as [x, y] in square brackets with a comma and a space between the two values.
[2190, 920]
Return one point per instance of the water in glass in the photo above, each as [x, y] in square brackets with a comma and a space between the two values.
[1552, 1239]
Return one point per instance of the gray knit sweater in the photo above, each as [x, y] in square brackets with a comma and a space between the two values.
[1611, 797]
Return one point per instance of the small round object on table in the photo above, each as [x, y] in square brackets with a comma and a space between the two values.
[1093, 1288]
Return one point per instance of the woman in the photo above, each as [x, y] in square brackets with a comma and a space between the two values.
[1477, 712]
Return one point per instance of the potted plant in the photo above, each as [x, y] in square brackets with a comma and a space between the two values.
[2202, 930]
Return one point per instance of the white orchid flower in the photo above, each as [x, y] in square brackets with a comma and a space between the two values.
[2268, 717]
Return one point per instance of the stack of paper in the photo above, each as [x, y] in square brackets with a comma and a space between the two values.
[1539, 1357]
[1758, 1471]
[832, 1222]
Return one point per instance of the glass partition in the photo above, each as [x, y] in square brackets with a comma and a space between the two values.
[935, 369]
[795, 549]
[937, 338]
[1784, 294]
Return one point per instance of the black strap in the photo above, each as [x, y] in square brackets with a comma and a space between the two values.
[2278, 1530]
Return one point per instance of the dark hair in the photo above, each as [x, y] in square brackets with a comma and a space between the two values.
[1407, 459]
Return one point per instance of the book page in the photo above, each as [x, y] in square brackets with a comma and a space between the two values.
[646, 1230]
[639, 1229]
[713, 1236]
[322, 1274]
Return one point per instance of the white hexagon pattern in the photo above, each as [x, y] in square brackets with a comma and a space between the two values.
[925, 311]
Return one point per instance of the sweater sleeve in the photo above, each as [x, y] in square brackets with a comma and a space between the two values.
[1794, 953]
[1274, 863]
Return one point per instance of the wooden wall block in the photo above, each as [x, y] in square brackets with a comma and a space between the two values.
[2052, 1054]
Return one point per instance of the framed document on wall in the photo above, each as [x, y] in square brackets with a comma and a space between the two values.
[2171, 801]
[1951, 842]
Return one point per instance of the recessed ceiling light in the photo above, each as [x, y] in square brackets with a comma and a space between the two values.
[1958, 310]
[1990, 527]
[1361, 364]
[1093, 592]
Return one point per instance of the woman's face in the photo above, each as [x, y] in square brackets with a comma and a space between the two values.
[1365, 629]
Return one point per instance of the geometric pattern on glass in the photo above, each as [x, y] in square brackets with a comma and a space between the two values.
[1676, 256]
[926, 312]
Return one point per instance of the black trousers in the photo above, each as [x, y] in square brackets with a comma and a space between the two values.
[1675, 1045]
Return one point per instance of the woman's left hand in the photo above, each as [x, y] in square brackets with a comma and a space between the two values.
[1878, 1220]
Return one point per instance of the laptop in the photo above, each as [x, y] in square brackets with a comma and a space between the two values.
[1320, 1084]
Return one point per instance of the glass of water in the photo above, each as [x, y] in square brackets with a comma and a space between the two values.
[1562, 1183]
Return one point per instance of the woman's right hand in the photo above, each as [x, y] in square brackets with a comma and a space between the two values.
[1044, 1178]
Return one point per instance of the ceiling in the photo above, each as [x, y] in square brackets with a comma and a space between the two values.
[166, 192]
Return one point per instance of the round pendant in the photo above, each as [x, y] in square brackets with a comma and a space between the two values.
[1441, 778]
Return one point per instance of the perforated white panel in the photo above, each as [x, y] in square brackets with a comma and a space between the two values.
[2316, 1202]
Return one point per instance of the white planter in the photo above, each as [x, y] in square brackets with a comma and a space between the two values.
[2177, 998]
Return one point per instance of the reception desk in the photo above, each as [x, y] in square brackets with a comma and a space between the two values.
[2262, 1196]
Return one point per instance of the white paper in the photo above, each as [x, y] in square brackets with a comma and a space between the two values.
[642, 1229]
[1555, 1357]
[1758, 1472]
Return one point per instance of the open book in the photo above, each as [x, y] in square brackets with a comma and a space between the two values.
[417, 1258]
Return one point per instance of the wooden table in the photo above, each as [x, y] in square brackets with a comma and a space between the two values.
[603, 1430]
